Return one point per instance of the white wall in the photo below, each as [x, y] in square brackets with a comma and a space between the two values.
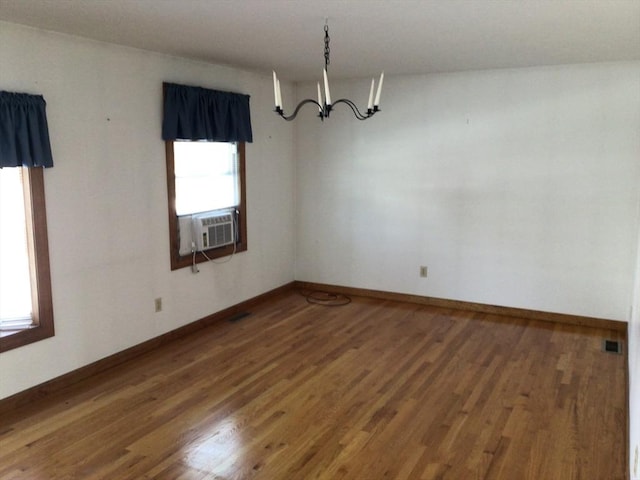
[107, 200]
[515, 187]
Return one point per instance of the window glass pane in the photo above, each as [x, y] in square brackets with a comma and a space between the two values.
[206, 176]
[15, 284]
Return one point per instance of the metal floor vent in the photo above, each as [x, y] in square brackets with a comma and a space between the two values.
[239, 316]
[612, 346]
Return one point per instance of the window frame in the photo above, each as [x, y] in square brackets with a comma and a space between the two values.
[181, 261]
[40, 272]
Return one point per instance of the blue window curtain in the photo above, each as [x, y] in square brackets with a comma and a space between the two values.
[24, 134]
[195, 113]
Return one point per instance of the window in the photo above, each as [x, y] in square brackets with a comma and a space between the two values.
[25, 285]
[26, 314]
[205, 133]
[15, 282]
[204, 176]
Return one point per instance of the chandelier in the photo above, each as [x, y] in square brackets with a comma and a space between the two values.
[325, 105]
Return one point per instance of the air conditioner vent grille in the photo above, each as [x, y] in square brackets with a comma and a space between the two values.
[221, 234]
[213, 229]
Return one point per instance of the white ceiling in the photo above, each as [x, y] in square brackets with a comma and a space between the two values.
[367, 36]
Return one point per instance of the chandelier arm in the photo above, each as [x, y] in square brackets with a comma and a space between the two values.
[355, 110]
[280, 112]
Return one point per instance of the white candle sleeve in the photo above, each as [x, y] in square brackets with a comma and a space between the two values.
[377, 102]
[275, 88]
[370, 103]
[327, 94]
[319, 98]
[279, 95]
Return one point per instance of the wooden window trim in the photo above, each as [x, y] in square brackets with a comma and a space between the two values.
[38, 244]
[181, 261]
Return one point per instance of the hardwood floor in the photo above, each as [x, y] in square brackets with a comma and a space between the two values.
[371, 390]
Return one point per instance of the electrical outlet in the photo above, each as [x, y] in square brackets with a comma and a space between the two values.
[423, 271]
[158, 303]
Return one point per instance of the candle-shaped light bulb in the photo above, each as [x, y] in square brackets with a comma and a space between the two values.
[377, 102]
[370, 103]
[319, 98]
[275, 88]
[327, 94]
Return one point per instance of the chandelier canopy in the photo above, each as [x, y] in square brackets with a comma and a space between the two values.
[325, 105]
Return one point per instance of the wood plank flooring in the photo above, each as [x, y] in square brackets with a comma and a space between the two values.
[371, 390]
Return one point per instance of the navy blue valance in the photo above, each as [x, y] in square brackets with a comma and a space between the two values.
[195, 113]
[24, 134]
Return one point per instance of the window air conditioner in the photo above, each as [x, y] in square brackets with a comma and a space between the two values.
[213, 229]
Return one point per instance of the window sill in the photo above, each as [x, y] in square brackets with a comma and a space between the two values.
[10, 339]
[13, 331]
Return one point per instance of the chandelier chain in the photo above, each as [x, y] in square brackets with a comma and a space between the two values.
[327, 50]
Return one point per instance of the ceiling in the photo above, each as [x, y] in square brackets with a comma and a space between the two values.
[367, 36]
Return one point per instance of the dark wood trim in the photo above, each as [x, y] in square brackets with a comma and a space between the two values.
[475, 307]
[42, 271]
[37, 238]
[68, 379]
[181, 261]
[174, 238]
[242, 244]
